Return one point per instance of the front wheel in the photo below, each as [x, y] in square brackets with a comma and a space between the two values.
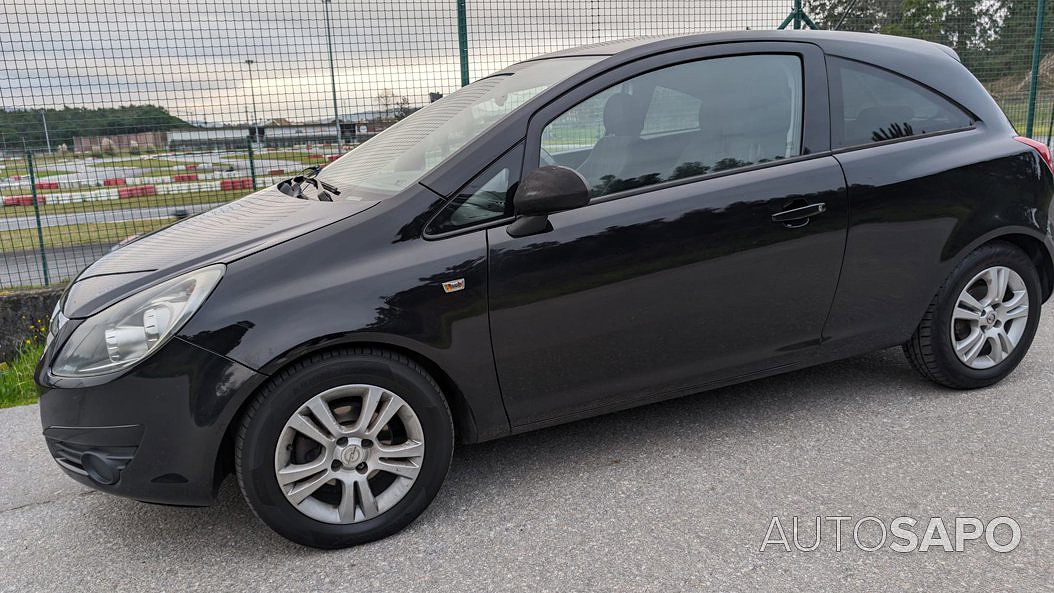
[982, 321]
[344, 448]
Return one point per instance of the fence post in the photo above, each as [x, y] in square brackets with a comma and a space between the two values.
[1037, 50]
[36, 213]
[798, 17]
[252, 162]
[462, 40]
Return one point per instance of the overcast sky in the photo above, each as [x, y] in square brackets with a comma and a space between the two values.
[188, 56]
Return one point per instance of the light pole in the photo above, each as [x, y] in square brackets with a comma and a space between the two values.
[46, 136]
[332, 73]
[252, 93]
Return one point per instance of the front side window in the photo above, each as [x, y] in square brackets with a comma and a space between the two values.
[487, 197]
[877, 105]
[682, 121]
[407, 151]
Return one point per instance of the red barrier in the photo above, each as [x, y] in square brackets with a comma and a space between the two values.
[239, 183]
[114, 181]
[185, 177]
[136, 191]
[276, 172]
[191, 167]
[315, 155]
[47, 185]
[332, 157]
[23, 200]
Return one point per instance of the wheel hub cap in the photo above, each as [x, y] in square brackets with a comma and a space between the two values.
[990, 317]
[352, 455]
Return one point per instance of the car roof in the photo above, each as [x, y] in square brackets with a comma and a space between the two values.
[836, 42]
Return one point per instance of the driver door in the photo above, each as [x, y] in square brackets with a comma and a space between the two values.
[675, 277]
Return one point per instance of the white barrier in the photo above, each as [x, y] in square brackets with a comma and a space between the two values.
[109, 193]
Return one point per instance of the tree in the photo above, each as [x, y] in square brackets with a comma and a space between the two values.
[1011, 47]
[868, 16]
[402, 108]
[921, 19]
[393, 107]
[992, 37]
[386, 100]
[70, 122]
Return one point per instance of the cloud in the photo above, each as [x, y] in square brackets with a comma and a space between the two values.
[189, 56]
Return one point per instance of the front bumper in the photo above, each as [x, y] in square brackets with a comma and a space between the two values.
[153, 434]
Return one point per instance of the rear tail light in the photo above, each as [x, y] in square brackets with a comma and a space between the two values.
[1039, 147]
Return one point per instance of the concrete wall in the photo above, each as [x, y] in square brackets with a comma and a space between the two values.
[19, 311]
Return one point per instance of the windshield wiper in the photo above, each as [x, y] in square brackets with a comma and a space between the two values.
[324, 192]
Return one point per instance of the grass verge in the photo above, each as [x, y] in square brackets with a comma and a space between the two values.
[16, 377]
[78, 234]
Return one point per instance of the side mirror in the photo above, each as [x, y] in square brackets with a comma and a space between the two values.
[543, 191]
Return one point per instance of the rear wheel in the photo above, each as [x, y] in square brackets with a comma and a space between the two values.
[344, 448]
[982, 321]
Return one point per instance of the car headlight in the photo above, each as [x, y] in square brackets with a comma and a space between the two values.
[53, 325]
[130, 330]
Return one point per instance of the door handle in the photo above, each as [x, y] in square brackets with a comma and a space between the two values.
[802, 213]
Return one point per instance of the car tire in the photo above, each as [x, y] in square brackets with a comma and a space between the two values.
[272, 441]
[952, 348]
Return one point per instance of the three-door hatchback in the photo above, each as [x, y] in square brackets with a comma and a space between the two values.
[582, 232]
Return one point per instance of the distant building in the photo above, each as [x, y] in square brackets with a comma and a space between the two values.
[121, 142]
[277, 132]
[365, 128]
[271, 134]
[207, 138]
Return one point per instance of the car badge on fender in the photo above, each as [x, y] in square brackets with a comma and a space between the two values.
[454, 285]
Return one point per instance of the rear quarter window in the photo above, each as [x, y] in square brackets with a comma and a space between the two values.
[875, 105]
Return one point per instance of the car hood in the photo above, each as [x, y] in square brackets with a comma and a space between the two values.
[220, 235]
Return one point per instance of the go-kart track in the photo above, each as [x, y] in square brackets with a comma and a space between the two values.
[88, 204]
[106, 181]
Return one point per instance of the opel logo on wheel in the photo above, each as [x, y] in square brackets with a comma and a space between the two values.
[351, 455]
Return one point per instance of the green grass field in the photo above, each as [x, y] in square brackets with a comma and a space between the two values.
[18, 167]
[1017, 112]
[79, 234]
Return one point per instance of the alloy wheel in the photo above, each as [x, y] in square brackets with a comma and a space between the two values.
[349, 454]
[990, 317]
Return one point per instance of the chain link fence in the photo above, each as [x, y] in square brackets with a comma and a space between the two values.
[120, 117]
[996, 40]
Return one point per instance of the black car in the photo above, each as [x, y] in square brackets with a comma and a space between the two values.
[583, 232]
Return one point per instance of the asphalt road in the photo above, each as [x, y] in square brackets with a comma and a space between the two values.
[101, 215]
[22, 268]
[672, 497]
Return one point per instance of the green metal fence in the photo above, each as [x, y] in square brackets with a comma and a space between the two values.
[119, 117]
